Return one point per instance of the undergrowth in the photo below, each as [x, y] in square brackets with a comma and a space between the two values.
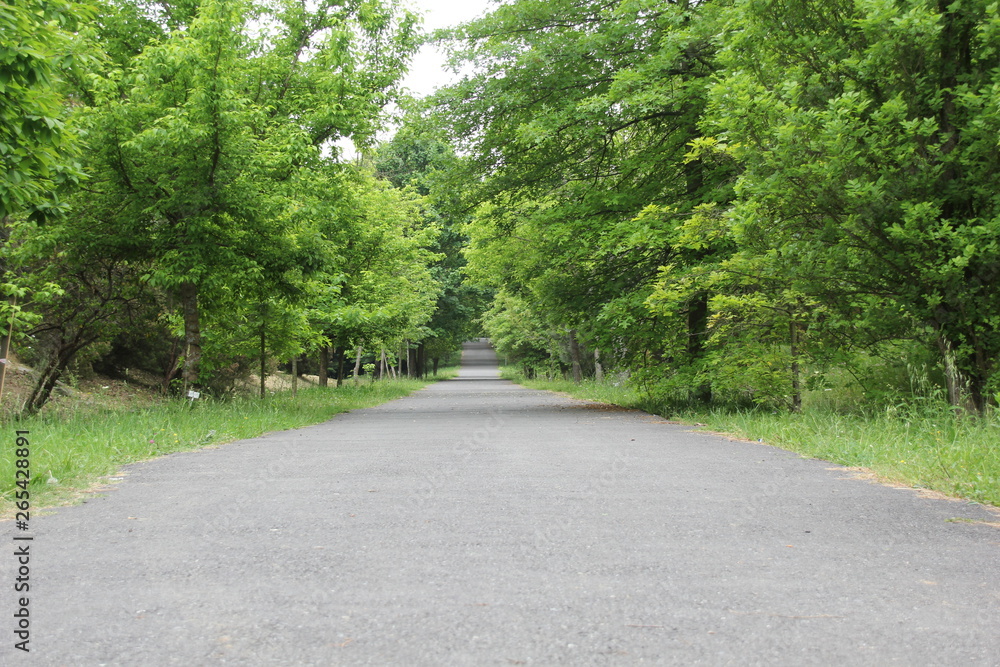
[920, 443]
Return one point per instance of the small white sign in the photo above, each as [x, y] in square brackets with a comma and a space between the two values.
[193, 394]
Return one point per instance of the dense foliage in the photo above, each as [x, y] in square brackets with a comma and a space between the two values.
[212, 224]
[36, 148]
[736, 200]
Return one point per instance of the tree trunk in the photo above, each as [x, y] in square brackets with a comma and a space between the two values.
[793, 336]
[5, 345]
[411, 366]
[574, 354]
[421, 360]
[263, 353]
[49, 377]
[4, 240]
[340, 366]
[192, 334]
[697, 333]
[295, 376]
[977, 383]
[324, 363]
[173, 365]
[42, 390]
[357, 365]
[598, 368]
[435, 361]
[958, 386]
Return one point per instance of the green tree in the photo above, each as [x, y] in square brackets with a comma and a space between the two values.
[198, 140]
[416, 158]
[377, 288]
[867, 134]
[577, 124]
[37, 149]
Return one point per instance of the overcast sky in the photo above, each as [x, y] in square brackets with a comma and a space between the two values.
[427, 72]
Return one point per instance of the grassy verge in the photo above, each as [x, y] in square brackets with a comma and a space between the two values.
[923, 446]
[79, 450]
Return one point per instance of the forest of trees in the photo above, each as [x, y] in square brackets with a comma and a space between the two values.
[175, 200]
[736, 200]
[726, 201]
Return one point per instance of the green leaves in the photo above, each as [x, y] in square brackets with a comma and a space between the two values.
[821, 174]
[577, 123]
[210, 130]
[867, 160]
[36, 149]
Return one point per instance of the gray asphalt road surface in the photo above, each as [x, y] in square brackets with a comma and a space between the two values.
[481, 523]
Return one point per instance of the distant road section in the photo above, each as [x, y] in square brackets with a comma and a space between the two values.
[477, 522]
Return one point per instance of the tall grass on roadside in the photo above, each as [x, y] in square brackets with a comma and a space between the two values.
[922, 443]
[918, 446]
[80, 450]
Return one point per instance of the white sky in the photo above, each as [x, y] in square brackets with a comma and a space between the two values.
[428, 71]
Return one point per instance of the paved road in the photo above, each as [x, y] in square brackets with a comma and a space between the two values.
[480, 523]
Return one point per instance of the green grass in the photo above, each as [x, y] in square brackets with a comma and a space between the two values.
[922, 444]
[81, 449]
